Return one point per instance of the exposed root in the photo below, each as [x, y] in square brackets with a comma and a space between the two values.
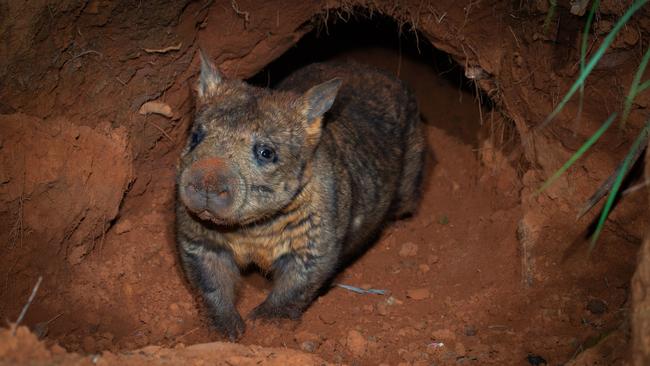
[242, 14]
[164, 50]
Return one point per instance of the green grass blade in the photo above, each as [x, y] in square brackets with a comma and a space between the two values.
[594, 60]
[592, 140]
[643, 86]
[634, 88]
[583, 55]
[585, 34]
[617, 184]
[550, 15]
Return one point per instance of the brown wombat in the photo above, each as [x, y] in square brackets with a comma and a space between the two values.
[294, 180]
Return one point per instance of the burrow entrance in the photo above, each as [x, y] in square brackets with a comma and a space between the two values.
[461, 286]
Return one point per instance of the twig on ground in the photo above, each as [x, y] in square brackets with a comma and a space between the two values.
[29, 302]
[360, 290]
[636, 187]
[607, 185]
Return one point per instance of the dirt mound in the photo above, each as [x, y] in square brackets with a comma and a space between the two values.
[24, 348]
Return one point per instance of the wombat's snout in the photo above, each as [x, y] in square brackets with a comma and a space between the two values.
[209, 188]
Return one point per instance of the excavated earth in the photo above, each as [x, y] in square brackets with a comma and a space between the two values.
[488, 272]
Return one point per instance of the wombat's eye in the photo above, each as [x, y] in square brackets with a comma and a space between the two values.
[265, 153]
[197, 136]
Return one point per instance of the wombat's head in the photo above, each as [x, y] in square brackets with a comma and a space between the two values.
[250, 148]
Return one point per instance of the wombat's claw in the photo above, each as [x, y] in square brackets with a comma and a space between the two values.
[231, 326]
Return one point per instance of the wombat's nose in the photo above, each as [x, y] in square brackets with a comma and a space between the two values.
[210, 187]
[218, 191]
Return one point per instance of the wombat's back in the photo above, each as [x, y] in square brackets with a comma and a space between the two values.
[372, 140]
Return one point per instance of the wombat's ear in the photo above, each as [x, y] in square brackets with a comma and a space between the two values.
[318, 100]
[210, 77]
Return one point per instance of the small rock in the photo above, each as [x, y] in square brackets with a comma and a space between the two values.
[596, 306]
[356, 343]
[174, 308]
[433, 259]
[424, 268]
[392, 301]
[382, 308]
[418, 293]
[408, 249]
[368, 309]
[308, 346]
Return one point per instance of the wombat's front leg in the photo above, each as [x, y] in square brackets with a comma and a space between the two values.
[215, 274]
[296, 280]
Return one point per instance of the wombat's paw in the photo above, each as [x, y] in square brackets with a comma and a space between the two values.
[230, 325]
[267, 311]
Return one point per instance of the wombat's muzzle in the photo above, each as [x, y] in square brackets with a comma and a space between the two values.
[209, 188]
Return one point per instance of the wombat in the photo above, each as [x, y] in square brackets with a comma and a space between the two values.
[295, 180]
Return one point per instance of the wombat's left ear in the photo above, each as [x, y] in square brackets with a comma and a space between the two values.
[318, 100]
[210, 77]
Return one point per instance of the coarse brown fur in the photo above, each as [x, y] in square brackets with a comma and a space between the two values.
[295, 180]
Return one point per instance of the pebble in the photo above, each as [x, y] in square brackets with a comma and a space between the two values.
[409, 249]
[308, 346]
[382, 308]
[418, 293]
[356, 343]
[424, 268]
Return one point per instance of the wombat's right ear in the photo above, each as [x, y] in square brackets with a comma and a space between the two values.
[317, 101]
[210, 77]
